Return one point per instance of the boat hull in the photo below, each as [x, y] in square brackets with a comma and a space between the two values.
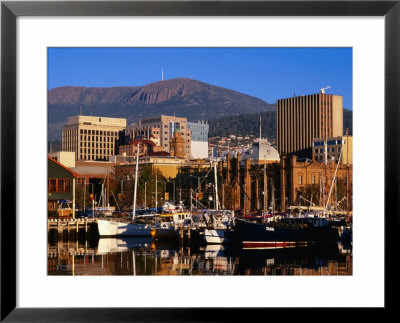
[164, 234]
[215, 236]
[259, 235]
[110, 228]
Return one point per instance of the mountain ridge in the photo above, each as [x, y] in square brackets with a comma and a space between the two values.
[183, 97]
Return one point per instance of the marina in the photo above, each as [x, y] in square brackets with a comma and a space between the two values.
[210, 244]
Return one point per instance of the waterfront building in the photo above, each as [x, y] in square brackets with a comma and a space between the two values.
[242, 184]
[334, 146]
[61, 184]
[199, 139]
[296, 175]
[300, 119]
[166, 126]
[92, 138]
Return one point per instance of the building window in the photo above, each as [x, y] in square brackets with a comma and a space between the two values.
[333, 150]
[59, 185]
[312, 179]
[52, 185]
[300, 179]
[316, 151]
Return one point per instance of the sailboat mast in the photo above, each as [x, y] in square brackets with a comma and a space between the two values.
[265, 188]
[156, 191]
[334, 178]
[216, 185]
[136, 178]
[347, 177]
[108, 189]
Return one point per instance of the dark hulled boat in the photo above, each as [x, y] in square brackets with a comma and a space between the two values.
[286, 232]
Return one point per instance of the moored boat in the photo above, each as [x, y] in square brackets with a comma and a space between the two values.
[288, 232]
[167, 225]
[215, 226]
[124, 227]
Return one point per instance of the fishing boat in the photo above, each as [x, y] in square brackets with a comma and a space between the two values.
[217, 225]
[167, 225]
[64, 209]
[284, 233]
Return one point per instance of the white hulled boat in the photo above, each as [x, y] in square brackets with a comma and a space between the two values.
[136, 226]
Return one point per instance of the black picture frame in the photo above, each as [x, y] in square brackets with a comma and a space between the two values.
[10, 10]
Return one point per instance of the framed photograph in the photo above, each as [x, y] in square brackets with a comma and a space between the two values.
[47, 45]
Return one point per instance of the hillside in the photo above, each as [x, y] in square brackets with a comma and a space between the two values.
[248, 124]
[185, 97]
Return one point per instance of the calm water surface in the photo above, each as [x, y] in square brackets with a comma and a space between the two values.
[143, 256]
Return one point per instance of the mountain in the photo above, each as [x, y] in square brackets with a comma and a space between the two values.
[248, 124]
[183, 97]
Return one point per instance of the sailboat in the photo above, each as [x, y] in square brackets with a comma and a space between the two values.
[215, 224]
[136, 226]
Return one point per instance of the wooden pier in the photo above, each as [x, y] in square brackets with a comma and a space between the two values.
[69, 224]
[72, 227]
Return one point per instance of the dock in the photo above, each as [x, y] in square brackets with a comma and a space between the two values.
[72, 227]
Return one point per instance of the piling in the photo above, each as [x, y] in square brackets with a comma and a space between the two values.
[181, 232]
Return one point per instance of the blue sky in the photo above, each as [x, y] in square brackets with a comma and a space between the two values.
[266, 73]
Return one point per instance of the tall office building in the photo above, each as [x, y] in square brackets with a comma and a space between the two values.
[302, 118]
[92, 138]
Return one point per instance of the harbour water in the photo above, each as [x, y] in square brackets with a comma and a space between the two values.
[143, 256]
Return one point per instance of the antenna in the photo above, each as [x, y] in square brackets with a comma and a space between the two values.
[162, 74]
[325, 88]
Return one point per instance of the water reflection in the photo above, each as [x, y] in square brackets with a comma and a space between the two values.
[143, 256]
